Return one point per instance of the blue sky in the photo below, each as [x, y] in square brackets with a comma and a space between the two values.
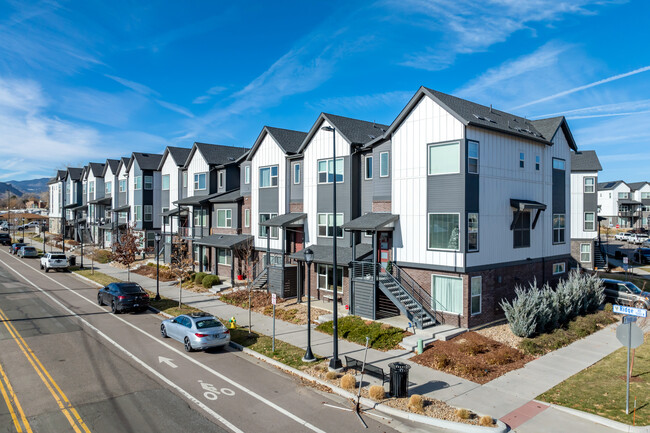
[85, 81]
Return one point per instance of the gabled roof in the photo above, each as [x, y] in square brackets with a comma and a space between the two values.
[124, 162]
[146, 161]
[216, 154]
[97, 169]
[585, 160]
[635, 186]
[60, 174]
[603, 186]
[471, 113]
[356, 132]
[227, 197]
[288, 140]
[111, 164]
[178, 154]
[74, 173]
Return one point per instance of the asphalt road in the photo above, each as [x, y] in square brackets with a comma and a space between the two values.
[67, 364]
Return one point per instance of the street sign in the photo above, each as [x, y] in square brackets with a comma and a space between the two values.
[629, 334]
[626, 260]
[274, 299]
[628, 319]
[630, 311]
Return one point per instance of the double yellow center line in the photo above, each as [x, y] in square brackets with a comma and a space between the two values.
[8, 394]
[65, 406]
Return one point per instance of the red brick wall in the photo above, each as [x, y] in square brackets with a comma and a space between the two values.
[295, 207]
[318, 294]
[381, 206]
[246, 205]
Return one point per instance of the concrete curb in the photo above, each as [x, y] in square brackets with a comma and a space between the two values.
[450, 425]
[601, 420]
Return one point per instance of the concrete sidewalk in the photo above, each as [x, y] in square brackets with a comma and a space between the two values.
[503, 397]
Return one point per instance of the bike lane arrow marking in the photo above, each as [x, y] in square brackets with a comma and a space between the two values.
[168, 361]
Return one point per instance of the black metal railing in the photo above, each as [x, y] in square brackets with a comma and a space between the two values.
[258, 270]
[420, 295]
[363, 270]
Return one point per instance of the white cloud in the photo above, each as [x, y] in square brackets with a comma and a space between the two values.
[209, 94]
[174, 107]
[136, 87]
[361, 102]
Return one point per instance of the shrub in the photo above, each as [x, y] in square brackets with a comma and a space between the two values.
[501, 357]
[416, 403]
[485, 421]
[210, 280]
[463, 413]
[609, 307]
[102, 256]
[331, 375]
[441, 361]
[471, 348]
[198, 277]
[348, 382]
[377, 393]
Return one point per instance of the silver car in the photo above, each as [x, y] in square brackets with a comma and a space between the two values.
[27, 252]
[197, 331]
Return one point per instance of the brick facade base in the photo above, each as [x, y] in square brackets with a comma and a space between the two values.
[575, 253]
[381, 206]
[295, 207]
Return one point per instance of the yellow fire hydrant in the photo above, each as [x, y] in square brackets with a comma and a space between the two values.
[233, 323]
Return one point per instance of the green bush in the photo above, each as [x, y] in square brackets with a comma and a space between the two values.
[198, 277]
[609, 307]
[102, 256]
[210, 280]
[355, 329]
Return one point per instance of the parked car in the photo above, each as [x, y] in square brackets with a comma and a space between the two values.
[642, 255]
[626, 293]
[123, 296]
[637, 239]
[198, 331]
[5, 239]
[13, 249]
[54, 261]
[621, 236]
[27, 251]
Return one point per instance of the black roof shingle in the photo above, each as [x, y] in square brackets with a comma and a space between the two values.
[585, 160]
[216, 154]
[147, 161]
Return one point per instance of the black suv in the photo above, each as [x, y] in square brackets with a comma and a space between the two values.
[5, 239]
[626, 293]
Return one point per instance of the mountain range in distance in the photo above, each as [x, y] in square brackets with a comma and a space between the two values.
[22, 187]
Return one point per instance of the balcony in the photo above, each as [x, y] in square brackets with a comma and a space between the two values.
[628, 214]
[193, 232]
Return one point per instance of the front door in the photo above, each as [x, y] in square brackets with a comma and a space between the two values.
[298, 241]
[383, 248]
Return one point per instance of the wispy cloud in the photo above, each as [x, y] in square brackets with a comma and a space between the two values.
[136, 87]
[586, 86]
[604, 109]
[363, 102]
[466, 26]
[175, 107]
[209, 94]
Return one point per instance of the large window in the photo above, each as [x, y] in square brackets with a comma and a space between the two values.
[521, 232]
[590, 184]
[91, 188]
[558, 164]
[444, 158]
[326, 225]
[137, 182]
[384, 164]
[123, 185]
[585, 253]
[199, 181]
[590, 221]
[200, 218]
[247, 217]
[476, 283]
[472, 232]
[224, 257]
[623, 195]
[148, 182]
[645, 195]
[264, 229]
[184, 179]
[559, 268]
[326, 171]
[137, 210]
[326, 278]
[148, 212]
[165, 182]
[444, 231]
[558, 228]
[296, 173]
[368, 170]
[472, 157]
[247, 174]
[269, 176]
[447, 294]
[108, 187]
[224, 218]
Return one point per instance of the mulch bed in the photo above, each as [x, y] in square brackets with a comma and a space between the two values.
[150, 271]
[287, 310]
[473, 357]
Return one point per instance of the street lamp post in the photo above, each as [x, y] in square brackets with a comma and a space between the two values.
[335, 362]
[82, 246]
[309, 257]
[157, 238]
[43, 234]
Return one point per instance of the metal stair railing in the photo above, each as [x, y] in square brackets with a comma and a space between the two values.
[413, 289]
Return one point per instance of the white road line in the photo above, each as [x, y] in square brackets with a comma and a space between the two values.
[183, 354]
[135, 358]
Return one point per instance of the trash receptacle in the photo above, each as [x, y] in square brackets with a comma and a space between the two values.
[72, 260]
[399, 379]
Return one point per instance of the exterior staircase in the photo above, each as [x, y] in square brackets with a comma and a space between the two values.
[600, 258]
[411, 299]
[260, 276]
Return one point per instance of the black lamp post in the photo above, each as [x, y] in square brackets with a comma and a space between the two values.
[43, 234]
[335, 362]
[82, 245]
[157, 238]
[309, 258]
[22, 227]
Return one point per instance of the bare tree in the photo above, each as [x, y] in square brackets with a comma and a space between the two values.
[181, 264]
[126, 249]
[247, 261]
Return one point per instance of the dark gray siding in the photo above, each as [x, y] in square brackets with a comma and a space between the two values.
[590, 201]
[381, 185]
[366, 188]
[234, 207]
[296, 190]
[559, 191]
[268, 199]
[232, 177]
[164, 199]
[343, 202]
[363, 299]
[245, 189]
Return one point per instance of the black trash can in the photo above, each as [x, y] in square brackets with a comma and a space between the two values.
[72, 260]
[399, 379]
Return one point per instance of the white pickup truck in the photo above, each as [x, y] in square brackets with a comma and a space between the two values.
[56, 261]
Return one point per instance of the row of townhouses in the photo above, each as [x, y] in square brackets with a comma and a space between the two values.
[439, 215]
[624, 205]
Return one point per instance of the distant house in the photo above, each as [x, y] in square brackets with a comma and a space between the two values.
[584, 207]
